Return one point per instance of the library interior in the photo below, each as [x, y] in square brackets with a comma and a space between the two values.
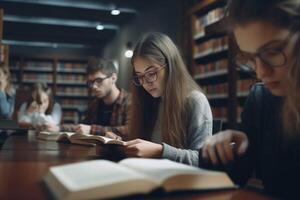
[161, 99]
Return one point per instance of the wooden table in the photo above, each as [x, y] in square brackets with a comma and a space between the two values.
[24, 161]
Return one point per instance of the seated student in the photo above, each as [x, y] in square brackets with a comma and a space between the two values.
[267, 34]
[169, 112]
[40, 110]
[108, 110]
[7, 93]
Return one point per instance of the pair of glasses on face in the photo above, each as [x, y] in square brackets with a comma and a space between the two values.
[148, 77]
[98, 82]
[271, 56]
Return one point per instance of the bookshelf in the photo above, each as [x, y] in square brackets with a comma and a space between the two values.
[1, 24]
[210, 59]
[65, 77]
[4, 49]
[71, 88]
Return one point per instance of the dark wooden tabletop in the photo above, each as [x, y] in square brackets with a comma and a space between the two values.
[24, 161]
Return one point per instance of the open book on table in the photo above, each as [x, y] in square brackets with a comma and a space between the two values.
[105, 179]
[77, 138]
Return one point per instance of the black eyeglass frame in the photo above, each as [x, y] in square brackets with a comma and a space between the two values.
[98, 81]
[244, 66]
[143, 77]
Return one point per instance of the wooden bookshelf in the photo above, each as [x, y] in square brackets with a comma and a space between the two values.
[4, 49]
[1, 24]
[66, 77]
[210, 59]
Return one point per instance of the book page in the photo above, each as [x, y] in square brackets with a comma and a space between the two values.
[102, 139]
[92, 173]
[54, 136]
[101, 177]
[108, 140]
[159, 168]
[176, 176]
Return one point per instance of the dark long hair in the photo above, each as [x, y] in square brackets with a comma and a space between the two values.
[39, 88]
[285, 14]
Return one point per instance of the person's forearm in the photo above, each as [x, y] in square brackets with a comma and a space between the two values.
[186, 156]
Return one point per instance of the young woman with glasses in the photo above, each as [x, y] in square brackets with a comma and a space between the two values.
[170, 115]
[267, 35]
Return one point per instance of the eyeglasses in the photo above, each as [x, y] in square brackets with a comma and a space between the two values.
[97, 81]
[149, 77]
[271, 56]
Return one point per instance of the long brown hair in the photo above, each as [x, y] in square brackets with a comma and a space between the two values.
[39, 88]
[6, 72]
[160, 49]
[285, 14]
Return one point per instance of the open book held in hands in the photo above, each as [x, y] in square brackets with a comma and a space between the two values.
[102, 179]
[77, 138]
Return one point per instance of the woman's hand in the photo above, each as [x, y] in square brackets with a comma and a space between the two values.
[222, 146]
[143, 148]
[33, 107]
[42, 108]
[50, 127]
[82, 128]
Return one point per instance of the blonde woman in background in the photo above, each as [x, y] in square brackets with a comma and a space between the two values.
[7, 93]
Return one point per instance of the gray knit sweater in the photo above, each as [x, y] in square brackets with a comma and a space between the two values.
[199, 127]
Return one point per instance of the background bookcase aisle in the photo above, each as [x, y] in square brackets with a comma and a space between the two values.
[210, 61]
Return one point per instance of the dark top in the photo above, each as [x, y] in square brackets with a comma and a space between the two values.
[275, 160]
[116, 121]
[104, 113]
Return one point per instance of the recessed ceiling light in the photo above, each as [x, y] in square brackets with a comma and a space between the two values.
[128, 53]
[115, 12]
[99, 27]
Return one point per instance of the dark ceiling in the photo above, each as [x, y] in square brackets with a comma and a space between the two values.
[64, 24]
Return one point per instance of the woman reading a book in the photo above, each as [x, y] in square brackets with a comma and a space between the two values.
[40, 111]
[7, 93]
[170, 115]
[267, 36]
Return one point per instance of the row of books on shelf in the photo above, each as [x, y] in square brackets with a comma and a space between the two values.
[207, 19]
[48, 78]
[70, 66]
[72, 90]
[71, 103]
[71, 77]
[211, 46]
[37, 77]
[216, 89]
[217, 66]
[219, 112]
[38, 65]
[49, 66]
[243, 87]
